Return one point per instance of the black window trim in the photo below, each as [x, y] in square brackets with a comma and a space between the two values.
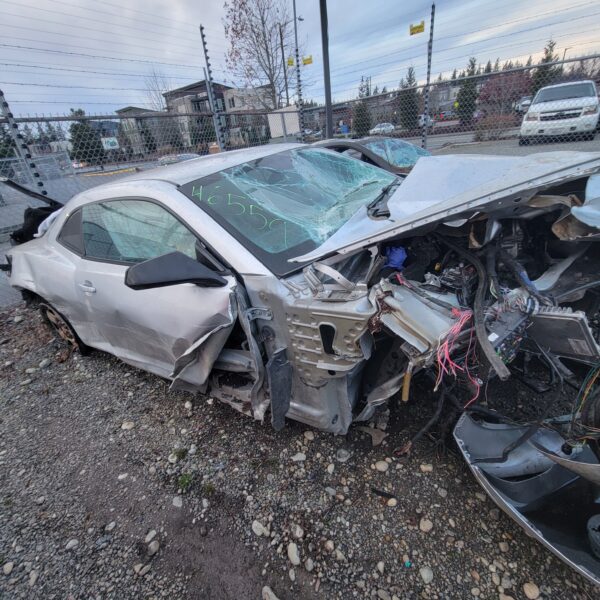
[220, 264]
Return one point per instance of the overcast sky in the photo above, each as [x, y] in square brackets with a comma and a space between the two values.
[43, 42]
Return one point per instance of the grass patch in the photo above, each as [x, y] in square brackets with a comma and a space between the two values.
[185, 481]
[208, 489]
[180, 453]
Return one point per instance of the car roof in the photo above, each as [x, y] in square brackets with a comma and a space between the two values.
[196, 168]
[566, 83]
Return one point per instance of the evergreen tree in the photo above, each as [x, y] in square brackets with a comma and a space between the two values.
[375, 91]
[488, 66]
[85, 140]
[6, 143]
[384, 90]
[467, 94]
[497, 65]
[546, 74]
[453, 75]
[361, 119]
[364, 89]
[408, 101]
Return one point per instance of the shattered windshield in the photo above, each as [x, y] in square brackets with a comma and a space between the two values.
[287, 203]
[397, 152]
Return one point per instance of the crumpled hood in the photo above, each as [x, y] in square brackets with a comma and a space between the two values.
[441, 187]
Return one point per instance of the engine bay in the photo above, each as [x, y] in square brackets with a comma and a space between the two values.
[477, 304]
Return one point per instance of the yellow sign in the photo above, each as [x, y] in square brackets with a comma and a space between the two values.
[290, 61]
[456, 104]
[307, 60]
[419, 28]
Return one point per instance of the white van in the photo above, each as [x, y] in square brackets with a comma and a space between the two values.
[560, 110]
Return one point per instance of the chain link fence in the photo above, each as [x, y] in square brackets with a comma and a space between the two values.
[529, 105]
[79, 151]
[553, 103]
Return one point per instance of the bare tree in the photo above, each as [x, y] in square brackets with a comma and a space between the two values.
[157, 83]
[255, 53]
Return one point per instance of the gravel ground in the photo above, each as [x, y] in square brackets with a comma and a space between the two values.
[113, 487]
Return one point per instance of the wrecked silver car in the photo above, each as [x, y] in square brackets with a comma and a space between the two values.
[295, 281]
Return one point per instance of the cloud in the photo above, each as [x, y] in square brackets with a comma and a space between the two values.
[106, 50]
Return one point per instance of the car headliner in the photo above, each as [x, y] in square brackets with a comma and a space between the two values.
[196, 168]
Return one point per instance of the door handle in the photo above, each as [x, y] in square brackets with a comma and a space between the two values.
[87, 287]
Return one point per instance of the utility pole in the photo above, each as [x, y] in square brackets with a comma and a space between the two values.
[208, 80]
[298, 80]
[326, 75]
[426, 100]
[283, 64]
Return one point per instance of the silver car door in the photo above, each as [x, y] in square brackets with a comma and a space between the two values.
[149, 328]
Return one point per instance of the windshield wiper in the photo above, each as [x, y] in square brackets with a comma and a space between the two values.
[378, 208]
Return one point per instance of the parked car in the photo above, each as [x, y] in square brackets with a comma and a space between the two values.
[392, 154]
[523, 104]
[447, 115]
[382, 129]
[298, 282]
[170, 159]
[426, 121]
[566, 109]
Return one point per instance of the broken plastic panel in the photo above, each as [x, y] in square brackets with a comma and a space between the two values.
[548, 493]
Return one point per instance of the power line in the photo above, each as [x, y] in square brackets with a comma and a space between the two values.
[96, 56]
[71, 16]
[439, 52]
[121, 7]
[442, 38]
[78, 27]
[84, 72]
[150, 62]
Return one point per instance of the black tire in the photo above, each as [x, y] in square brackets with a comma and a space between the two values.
[62, 328]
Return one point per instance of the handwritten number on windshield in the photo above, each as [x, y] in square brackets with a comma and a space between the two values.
[238, 209]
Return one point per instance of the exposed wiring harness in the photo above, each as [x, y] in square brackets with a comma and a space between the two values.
[578, 428]
[478, 310]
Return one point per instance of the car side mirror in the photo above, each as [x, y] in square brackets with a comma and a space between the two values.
[171, 269]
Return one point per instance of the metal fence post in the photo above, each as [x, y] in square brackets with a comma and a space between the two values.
[298, 80]
[210, 92]
[283, 127]
[21, 148]
[426, 99]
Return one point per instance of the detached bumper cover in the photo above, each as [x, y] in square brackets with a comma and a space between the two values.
[552, 502]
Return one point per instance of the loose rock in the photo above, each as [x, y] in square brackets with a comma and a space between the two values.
[293, 554]
[150, 536]
[153, 547]
[72, 544]
[259, 529]
[382, 466]
[425, 525]
[426, 574]
[531, 590]
[267, 594]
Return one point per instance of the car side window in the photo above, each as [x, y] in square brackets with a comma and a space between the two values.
[70, 234]
[133, 231]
